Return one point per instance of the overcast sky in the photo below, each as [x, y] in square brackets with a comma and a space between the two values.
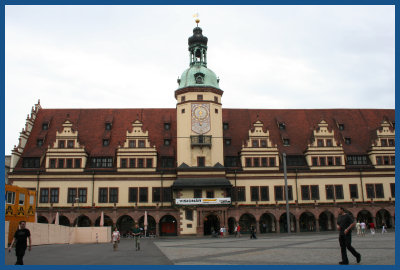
[131, 56]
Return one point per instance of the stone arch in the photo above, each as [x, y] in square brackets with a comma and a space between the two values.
[246, 221]
[383, 216]
[125, 224]
[283, 223]
[62, 220]
[168, 225]
[326, 221]
[307, 222]
[231, 225]
[267, 223]
[42, 219]
[107, 221]
[364, 215]
[151, 224]
[83, 221]
[211, 224]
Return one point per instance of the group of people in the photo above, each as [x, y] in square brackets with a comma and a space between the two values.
[361, 227]
[115, 237]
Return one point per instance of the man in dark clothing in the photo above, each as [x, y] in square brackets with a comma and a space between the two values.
[20, 237]
[136, 234]
[252, 232]
[344, 225]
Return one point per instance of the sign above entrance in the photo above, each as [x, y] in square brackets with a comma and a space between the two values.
[197, 201]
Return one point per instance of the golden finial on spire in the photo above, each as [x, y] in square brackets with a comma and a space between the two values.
[196, 18]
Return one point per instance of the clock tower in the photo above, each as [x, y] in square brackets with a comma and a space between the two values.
[199, 110]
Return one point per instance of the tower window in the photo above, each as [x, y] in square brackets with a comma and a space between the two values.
[183, 111]
[216, 99]
[216, 110]
[183, 98]
[199, 97]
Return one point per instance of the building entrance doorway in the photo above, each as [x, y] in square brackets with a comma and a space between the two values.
[211, 224]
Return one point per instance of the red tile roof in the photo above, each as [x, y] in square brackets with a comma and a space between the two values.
[360, 126]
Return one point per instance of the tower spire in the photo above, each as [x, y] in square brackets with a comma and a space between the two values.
[198, 45]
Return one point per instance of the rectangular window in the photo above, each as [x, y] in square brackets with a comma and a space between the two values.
[103, 195]
[320, 143]
[45, 126]
[123, 162]
[339, 192]
[52, 163]
[31, 163]
[70, 144]
[167, 126]
[225, 126]
[254, 192]
[149, 163]
[69, 163]
[77, 163]
[379, 191]
[199, 97]
[71, 195]
[392, 190]
[113, 195]
[386, 160]
[61, 144]
[263, 143]
[254, 143]
[322, 161]
[272, 162]
[21, 199]
[384, 142]
[132, 163]
[201, 161]
[101, 162]
[108, 126]
[241, 194]
[197, 193]
[167, 162]
[392, 161]
[329, 192]
[106, 142]
[143, 194]
[44, 195]
[378, 160]
[391, 142]
[353, 191]
[329, 143]
[167, 142]
[141, 143]
[10, 197]
[314, 192]
[61, 163]
[264, 191]
[248, 162]
[140, 162]
[264, 162]
[82, 195]
[54, 195]
[315, 161]
[305, 192]
[370, 191]
[210, 193]
[330, 161]
[338, 161]
[189, 214]
[256, 162]
[156, 194]
[133, 192]
[132, 143]
[216, 99]
[167, 194]
[278, 193]
[183, 98]
[39, 142]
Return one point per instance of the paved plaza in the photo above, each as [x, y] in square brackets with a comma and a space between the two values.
[269, 249]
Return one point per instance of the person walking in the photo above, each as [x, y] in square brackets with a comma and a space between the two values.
[253, 232]
[136, 234]
[235, 230]
[221, 232]
[115, 238]
[344, 225]
[20, 240]
[238, 230]
[363, 226]
[358, 227]
[372, 228]
[384, 228]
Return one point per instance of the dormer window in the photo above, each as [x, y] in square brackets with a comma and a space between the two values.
[329, 143]
[132, 143]
[391, 142]
[384, 143]
[320, 143]
[347, 140]
[108, 126]
[45, 126]
[286, 142]
[226, 126]
[106, 142]
[61, 144]
[341, 126]
[167, 142]
[70, 144]
[167, 126]
[39, 142]
[228, 142]
[199, 78]
[282, 126]
[141, 144]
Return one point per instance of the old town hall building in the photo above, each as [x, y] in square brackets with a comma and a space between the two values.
[198, 167]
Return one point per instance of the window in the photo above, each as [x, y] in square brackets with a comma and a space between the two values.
[353, 191]
[339, 192]
[140, 162]
[282, 126]
[280, 193]
[286, 142]
[232, 161]
[31, 200]
[133, 192]
[167, 126]
[370, 191]
[347, 140]
[254, 192]
[108, 126]
[200, 161]
[156, 194]
[70, 144]
[305, 192]
[10, 197]
[183, 111]
[82, 195]
[341, 126]
[254, 143]
[241, 194]
[226, 126]
[39, 142]
[216, 110]
[378, 160]
[264, 162]
[197, 193]
[375, 191]
[314, 192]
[199, 97]
[52, 163]
[132, 163]
[143, 194]
[356, 160]
[329, 143]
[69, 163]
[21, 199]
[228, 142]
[392, 190]
[101, 162]
[61, 144]
[392, 161]
[264, 191]
[54, 195]
[183, 98]
[386, 160]
[329, 192]
[338, 161]
[216, 99]
[379, 191]
[132, 143]
[77, 163]
[330, 161]
[384, 142]
[248, 162]
[123, 162]
[61, 163]
[149, 163]
[31, 163]
[314, 161]
[256, 162]
[103, 195]
[167, 162]
[189, 214]
[106, 142]
[322, 161]
[263, 143]
[320, 143]
[113, 195]
[71, 195]
[334, 192]
[45, 126]
[141, 143]
[167, 194]
[167, 142]
[391, 142]
[210, 193]
[44, 195]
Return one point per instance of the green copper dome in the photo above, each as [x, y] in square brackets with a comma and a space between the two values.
[199, 76]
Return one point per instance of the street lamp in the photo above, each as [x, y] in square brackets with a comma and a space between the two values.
[77, 202]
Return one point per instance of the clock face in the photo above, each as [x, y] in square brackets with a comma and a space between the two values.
[201, 118]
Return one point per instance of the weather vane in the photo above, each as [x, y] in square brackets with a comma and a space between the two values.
[196, 18]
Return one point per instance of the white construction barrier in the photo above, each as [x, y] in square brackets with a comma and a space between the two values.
[7, 227]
